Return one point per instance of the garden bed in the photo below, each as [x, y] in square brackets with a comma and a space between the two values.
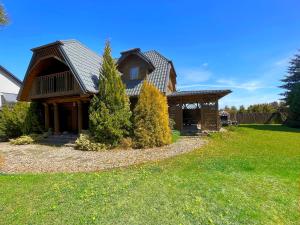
[36, 158]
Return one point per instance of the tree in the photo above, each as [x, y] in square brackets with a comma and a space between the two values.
[151, 118]
[294, 107]
[109, 112]
[292, 78]
[242, 109]
[3, 16]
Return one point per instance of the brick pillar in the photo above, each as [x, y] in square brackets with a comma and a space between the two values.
[56, 119]
[79, 104]
[46, 109]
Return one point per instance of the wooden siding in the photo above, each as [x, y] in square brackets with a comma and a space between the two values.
[133, 61]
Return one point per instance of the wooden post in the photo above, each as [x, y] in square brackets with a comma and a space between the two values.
[56, 119]
[79, 104]
[202, 117]
[46, 109]
[217, 115]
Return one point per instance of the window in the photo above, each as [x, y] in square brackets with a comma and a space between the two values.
[134, 73]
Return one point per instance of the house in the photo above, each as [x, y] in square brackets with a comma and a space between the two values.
[64, 76]
[9, 87]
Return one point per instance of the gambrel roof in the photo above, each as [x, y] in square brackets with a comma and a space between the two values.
[85, 65]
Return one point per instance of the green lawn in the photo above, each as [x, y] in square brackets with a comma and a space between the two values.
[247, 176]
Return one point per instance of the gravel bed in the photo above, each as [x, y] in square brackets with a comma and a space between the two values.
[49, 159]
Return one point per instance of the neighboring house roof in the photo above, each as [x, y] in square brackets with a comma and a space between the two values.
[10, 76]
[8, 98]
[86, 63]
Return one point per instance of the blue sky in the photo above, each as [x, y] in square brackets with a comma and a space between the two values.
[244, 46]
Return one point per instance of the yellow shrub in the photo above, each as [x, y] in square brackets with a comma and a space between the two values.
[151, 118]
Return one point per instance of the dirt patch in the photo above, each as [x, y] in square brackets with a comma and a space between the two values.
[49, 159]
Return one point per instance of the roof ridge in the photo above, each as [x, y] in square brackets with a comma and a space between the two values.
[158, 53]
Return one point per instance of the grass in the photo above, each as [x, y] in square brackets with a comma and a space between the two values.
[246, 176]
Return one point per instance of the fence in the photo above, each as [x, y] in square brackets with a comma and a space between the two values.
[259, 118]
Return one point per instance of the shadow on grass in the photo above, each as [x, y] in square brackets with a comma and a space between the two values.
[271, 127]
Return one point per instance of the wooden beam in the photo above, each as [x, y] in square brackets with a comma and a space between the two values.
[56, 119]
[46, 113]
[79, 106]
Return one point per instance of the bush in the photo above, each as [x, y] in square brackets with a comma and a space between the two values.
[151, 118]
[109, 113]
[23, 140]
[19, 119]
[85, 143]
[175, 135]
[126, 143]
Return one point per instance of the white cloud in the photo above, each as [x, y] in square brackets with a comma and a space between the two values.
[198, 74]
[229, 84]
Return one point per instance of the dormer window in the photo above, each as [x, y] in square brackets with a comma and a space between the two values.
[134, 73]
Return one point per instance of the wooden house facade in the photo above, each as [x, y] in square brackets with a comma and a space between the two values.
[64, 76]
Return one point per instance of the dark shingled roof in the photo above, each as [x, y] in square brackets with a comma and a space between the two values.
[86, 65]
[202, 92]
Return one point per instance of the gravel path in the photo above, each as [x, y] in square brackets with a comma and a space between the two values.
[49, 159]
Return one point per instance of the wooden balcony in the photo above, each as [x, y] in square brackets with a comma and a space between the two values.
[57, 84]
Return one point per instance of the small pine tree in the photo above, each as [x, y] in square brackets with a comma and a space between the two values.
[109, 113]
[151, 118]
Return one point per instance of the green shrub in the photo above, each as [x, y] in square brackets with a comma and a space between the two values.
[23, 140]
[151, 118]
[19, 119]
[109, 113]
[175, 135]
[26, 139]
[86, 143]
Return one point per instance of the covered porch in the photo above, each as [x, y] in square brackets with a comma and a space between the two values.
[66, 115]
[196, 110]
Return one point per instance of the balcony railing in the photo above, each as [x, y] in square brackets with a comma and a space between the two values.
[52, 84]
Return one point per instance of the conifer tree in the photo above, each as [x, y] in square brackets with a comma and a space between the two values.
[292, 78]
[151, 118]
[109, 113]
[292, 93]
[293, 119]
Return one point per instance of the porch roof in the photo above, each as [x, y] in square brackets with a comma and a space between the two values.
[197, 96]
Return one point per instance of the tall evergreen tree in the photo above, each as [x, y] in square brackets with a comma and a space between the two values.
[110, 109]
[292, 78]
[293, 119]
